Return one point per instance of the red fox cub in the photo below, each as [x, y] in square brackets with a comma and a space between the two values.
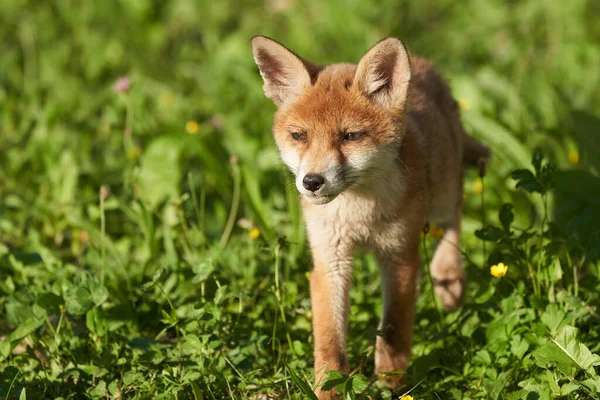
[378, 151]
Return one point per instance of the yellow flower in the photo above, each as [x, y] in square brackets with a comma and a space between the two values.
[192, 127]
[464, 104]
[254, 233]
[437, 233]
[574, 157]
[477, 186]
[406, 397]
[498, 270]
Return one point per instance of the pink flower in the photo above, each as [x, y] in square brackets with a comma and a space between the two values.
[122, 84]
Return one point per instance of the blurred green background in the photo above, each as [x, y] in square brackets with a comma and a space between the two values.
[173, 182]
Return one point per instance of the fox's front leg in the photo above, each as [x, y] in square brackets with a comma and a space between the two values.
[400, 273]
[329, 288]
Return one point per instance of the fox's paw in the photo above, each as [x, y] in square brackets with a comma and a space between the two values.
[448, 275]
[390, 366]
[450, 292]
[394, 379]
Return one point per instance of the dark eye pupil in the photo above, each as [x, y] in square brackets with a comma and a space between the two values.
[352, 136]
[299, 136]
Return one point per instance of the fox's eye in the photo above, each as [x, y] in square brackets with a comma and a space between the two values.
[353, 136]
[301, 136]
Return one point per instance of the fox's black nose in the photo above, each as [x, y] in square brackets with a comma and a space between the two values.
[313, 182]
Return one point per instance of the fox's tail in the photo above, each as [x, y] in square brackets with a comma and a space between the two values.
[474, 151]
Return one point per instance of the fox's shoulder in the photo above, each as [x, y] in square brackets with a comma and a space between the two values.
[420, 65]
[427, 86]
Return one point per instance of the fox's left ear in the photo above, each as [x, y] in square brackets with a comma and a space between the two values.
[285, 75]
[383, 74]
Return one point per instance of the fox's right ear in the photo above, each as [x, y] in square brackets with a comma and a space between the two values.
[285, 75]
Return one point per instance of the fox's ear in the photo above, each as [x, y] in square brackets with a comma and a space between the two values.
[383, 74]
[285, 75]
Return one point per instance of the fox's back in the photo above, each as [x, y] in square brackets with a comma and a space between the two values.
[436, 122]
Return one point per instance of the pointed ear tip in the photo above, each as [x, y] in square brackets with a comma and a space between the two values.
[261, 40]
[257, 39]
[396, 40]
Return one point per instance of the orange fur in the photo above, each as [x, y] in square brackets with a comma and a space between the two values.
[385, 141]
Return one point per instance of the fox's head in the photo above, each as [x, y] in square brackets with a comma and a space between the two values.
[337, 126]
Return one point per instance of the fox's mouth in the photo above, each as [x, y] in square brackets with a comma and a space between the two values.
[324, 195]
[319, 199]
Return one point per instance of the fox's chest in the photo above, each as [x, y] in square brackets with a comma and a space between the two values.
[369, 221]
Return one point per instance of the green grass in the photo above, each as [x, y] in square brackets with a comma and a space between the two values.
[128, 269]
